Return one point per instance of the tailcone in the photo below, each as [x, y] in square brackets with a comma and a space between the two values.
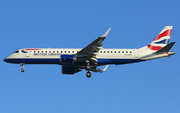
[171, 52]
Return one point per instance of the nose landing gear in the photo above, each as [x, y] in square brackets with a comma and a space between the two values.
[23, 65]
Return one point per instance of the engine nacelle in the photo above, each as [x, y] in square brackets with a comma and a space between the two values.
[66, 59]
[69, 70]
[70, 59]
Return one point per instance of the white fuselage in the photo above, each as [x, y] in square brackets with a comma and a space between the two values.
[52, 56]
[104, 56]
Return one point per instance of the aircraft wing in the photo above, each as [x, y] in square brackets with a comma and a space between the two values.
[93, 47]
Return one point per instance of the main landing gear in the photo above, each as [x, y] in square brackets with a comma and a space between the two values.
[23, 65]
[88, 74]
[88, 67]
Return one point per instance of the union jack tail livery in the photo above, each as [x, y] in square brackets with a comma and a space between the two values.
[161, 40]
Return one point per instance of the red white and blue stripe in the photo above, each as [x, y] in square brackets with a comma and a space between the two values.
[161, 40]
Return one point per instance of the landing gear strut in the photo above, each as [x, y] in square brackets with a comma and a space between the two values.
[23, 65]
[88, 67]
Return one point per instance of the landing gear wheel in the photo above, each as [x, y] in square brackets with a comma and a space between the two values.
[22, 70]
[88, 74]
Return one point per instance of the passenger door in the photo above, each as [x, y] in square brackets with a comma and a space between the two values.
[28, 54]
[136, 53]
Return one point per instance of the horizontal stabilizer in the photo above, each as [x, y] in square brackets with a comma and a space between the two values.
[165, 49]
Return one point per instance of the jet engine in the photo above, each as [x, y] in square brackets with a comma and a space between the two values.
[69, 70]
[66, 59]
[70, 59]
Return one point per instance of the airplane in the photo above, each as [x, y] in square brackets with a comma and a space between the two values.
[94, 55]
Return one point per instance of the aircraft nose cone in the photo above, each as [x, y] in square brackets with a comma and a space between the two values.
[5, 60]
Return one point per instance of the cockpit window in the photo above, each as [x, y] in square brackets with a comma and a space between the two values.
[16, 52]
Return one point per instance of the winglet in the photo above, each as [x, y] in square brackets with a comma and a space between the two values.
[105, 34]
[105, 68]
[101, 71]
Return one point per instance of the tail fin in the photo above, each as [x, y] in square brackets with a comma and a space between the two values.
[161, 40]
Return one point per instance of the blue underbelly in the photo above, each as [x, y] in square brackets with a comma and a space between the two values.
[117, 61]
[57, 61]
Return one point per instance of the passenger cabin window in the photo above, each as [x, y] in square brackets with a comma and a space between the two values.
[126, 51]
[119, 51]
[114, 51]
[122, 51]
[130, 51]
